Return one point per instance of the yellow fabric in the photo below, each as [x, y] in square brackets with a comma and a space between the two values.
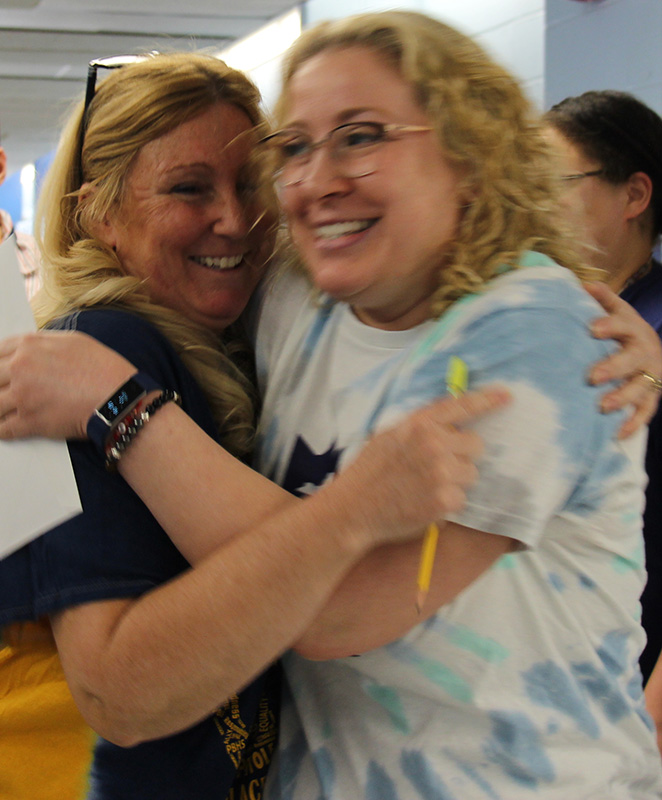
[45, 745]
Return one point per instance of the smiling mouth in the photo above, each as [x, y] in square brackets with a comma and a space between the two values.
[219, 263]
[338, 229]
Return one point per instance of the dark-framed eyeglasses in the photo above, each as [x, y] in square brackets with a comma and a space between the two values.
[355, 147]
[109, 62]
[576, 176]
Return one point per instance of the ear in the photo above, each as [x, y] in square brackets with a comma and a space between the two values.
[3, 165]
[104, 229]
[639, 193]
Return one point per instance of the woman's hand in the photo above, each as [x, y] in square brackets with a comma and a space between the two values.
[416, 472]
[640, 352]
[51, 382]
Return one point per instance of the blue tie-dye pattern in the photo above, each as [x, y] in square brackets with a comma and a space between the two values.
[586, 582]
[434, 671]
[506, 562]
[367, 381]
[317, 329]
[602, 691]
[290, 759]
[265, 444]
[463, 637]
[442, 326]
[326, 771]
[623, 564]
[646, 718]
[472, 773]
[417, 768]
[482, 342]
[635, 687]
[556, 581]
[515, 747]
[379, 785]
[634, 561]
[550, 686]
[390, 701]
[613, 652]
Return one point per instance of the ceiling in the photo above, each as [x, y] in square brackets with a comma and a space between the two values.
[45, 46]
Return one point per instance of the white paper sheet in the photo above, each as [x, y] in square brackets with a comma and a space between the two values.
[37, 484]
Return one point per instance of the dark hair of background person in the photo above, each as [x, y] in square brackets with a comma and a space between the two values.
[618, 131]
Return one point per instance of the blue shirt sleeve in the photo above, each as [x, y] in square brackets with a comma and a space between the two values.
[115, 548]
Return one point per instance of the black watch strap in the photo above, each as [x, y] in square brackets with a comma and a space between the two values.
[110, 413]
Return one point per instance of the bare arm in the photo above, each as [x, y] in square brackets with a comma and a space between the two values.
[50, 382]
[653, 694]
[374, 604]
[145, 668]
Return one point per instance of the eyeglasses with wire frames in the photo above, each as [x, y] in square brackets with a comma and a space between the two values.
[355, 147]
[576, 176]
[110, 62]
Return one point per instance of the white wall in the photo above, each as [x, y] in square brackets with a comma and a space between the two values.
[511, 30]
[555, 47]
[606, 44]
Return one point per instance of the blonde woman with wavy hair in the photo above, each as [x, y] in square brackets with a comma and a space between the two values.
[420, 203]
[144, 101]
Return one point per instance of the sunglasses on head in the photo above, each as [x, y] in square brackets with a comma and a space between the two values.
[109, 62]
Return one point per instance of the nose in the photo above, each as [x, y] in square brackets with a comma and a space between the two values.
[229, 215]
[323, 175]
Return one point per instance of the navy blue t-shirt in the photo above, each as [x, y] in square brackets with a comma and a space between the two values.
[646, 297]
[116, 549]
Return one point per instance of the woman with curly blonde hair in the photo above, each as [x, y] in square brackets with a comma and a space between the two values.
[421, 204]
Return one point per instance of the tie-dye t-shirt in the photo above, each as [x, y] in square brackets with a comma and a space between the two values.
[526, 684]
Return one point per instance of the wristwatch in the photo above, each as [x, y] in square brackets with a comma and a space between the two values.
[110, 413]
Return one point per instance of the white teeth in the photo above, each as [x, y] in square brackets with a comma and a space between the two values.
[341, 229]
[219, 262]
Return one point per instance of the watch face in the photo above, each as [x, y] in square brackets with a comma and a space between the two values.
[118, 404]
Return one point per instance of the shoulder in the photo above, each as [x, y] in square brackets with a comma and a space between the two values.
[135, 338]
[116, 328]
[541, 284]
[645, 296]
[539, 311]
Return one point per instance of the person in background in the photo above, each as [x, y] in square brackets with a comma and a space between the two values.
[26, 247]
[610, 145]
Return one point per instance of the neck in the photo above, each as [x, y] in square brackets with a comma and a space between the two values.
[630, 268]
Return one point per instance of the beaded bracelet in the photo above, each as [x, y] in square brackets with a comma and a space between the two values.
[129, 427]
[121, 402]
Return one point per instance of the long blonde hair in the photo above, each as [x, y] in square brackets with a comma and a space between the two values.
[485, 126]
[135, 105]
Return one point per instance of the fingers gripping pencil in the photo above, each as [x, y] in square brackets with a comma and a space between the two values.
[457, 379]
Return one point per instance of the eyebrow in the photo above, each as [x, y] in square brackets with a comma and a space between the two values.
[344, 116]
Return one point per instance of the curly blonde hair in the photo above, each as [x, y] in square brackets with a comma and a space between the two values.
[135, 105]
[486, 127]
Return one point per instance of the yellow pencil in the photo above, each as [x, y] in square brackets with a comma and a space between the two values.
[425, 567]
[457, 378]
